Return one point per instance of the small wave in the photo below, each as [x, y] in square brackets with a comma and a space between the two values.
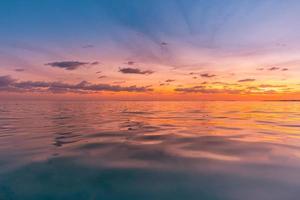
[137, 112]
[98, 145]
[265, 122]
[106, 134]
[198, 111]
[290, 125]
[228, 128]
[60, 143]
[153, 137]
[139, 126]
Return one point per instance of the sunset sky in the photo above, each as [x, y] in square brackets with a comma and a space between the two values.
[150, 49]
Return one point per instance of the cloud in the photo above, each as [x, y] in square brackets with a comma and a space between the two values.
[253, 88]
[6, 81]
[170, 80]
[128, 70]
[203, 89]
[163, 43]
[247, 80]
[19, 70]
[100, 77]
[190, 89]
[224, 83]
[273, 68]
[206, 75]
[9, 84]
[119, 82]
[130, 63]
[271, 86]
[94, 63]
[70, 65]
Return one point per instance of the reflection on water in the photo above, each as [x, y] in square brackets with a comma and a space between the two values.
[150, 150]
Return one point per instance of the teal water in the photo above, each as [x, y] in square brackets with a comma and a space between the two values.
[149, 150]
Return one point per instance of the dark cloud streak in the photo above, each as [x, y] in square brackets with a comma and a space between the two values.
[204, 90]
[19, 70]
[9, 84]
[170, 80]
[70, 65]
[207, 75]
[273, 68]
[247, 80]
[128, 70]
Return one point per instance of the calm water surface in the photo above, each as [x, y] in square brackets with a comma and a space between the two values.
[149, 150]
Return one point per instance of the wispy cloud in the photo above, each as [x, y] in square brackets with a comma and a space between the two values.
[19, 70]
[224, 83]
[94, 63]
[273, 68]
[100, 77]
[119, 82]
[128, 70]
[203, 89]
[247, 80]
[207, 75]
[169, 80]
[271, 86]
[130, 63]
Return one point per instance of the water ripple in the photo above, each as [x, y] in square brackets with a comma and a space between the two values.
[252, 145]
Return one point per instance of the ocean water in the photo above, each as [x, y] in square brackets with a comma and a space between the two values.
[113, 150]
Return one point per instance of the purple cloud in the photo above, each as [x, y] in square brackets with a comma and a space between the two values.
[70, 65]
[130, 63]
[128, 70]
[9, 84]
[6, 81]
[19, 70]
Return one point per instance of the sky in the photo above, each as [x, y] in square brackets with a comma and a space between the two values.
[150, 49]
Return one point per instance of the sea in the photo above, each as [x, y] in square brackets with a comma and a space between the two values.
[149, 150]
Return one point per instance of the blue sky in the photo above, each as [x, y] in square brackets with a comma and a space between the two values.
[207, 20]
